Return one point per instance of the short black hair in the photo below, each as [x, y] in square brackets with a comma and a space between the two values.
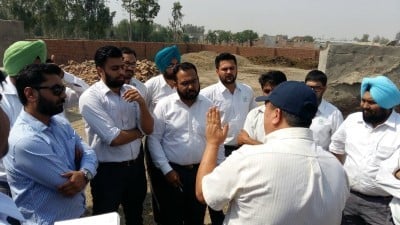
[224, 56]
[105, 52]
[317, 76]
[293, 120]
[127, 50]
[185, 66]
[272, 77]
[33, 75]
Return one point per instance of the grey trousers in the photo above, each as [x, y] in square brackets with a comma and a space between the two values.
[362, 209]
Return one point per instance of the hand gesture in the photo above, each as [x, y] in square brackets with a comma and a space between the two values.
[215, 133]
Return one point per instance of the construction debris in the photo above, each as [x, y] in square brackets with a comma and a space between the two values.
[86, 70]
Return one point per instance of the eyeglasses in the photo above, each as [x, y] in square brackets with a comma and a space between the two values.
[56, 89]
[316, 87]
[129, 64]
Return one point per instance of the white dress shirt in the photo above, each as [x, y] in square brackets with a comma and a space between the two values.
[233, 107]
[365, 148]
[10, 102]
[254, 124]
[288, 180]
[179, 132]
[326, 121]
[157, 88]
[106, 114]
[388, 182]
[141, 88]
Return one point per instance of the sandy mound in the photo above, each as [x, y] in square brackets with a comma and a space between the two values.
[205, 60]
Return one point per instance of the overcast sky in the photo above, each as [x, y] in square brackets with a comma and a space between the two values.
[339, 19]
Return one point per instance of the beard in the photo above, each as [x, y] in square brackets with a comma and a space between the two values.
[189, 95]
[228, 79]
[375, 117]
[113, 82]
[49, 108]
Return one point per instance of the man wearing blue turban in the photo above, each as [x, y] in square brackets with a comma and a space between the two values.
[159, 87]
[363, 141]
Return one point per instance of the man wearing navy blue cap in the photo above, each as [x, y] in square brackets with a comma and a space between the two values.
[287, 180]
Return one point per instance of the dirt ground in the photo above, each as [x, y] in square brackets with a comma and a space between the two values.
[248, 74]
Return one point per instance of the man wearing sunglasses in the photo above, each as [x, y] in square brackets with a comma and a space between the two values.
[116, 118]
[47, 182]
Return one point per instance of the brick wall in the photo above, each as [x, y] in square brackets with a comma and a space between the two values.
[81, 50]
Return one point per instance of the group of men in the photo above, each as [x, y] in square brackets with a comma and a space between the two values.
[269, 164]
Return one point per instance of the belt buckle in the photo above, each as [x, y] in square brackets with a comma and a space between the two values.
[189, 166]
[129, 163]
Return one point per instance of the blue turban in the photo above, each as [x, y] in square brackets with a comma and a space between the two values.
[384, 92]
[164, 56]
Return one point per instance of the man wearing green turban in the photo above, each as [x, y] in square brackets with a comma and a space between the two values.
[16, 57]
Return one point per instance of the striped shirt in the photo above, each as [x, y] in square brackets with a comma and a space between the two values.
[38, 156]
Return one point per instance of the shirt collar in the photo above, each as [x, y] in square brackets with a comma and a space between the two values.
[104, 89]
[221, 87]
[33, 122]
[390, 122]
[290, 133]
[322, 106]
[175, 97]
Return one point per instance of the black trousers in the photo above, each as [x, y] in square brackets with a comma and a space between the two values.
[157, 191]
[120, 183]
[182, 206]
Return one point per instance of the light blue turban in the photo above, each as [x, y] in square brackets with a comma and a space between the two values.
[384, 92]
[164, 56]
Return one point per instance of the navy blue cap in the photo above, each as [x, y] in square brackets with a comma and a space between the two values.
[293, 97]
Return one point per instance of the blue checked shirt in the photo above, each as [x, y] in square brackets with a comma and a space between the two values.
[37, 157]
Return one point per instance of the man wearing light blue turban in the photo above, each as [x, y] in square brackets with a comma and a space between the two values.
[159, 87]
[362, 143]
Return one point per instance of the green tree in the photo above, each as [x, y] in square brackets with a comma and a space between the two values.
[224, 36]
[308, 38]
[176, 22]
[397, 37]
[145, 11]
[364, 38]
[211, 37]
[193, 33]
[128, 6]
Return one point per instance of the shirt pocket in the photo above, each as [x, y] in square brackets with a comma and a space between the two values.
[382, 153]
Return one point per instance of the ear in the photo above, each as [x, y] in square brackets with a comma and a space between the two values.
[30, 94]
[276, 116]
[100, 71]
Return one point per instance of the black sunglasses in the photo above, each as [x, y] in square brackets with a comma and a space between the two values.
[56, 89]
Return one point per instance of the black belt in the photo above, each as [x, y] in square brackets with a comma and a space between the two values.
[186, 167]
[231, 147]
[123, 163]
[371, 197]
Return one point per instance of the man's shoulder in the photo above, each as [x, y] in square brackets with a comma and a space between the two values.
[329, 107]
[210, 88]
[153, 80]
[244, 87]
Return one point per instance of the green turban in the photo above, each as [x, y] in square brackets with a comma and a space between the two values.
[22, 53]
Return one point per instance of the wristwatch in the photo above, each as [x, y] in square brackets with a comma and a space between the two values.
[88, 175]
